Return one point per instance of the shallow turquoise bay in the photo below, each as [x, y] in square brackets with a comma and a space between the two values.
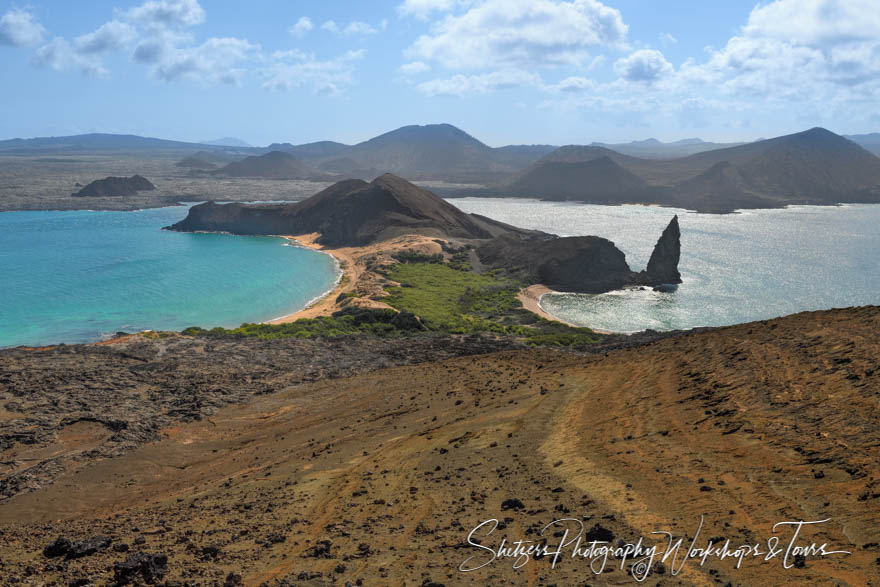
[80, 276]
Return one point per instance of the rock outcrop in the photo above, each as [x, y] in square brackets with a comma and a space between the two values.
[115, 186]
[588, 264]
[663, 264]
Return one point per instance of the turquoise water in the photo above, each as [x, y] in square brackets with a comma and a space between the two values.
[736, 268]
[80, 276]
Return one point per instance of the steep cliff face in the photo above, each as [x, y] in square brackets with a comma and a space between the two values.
[588, 264]
[663, 264]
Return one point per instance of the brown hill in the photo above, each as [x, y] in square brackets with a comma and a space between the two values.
[351, 212]
[596, 180]
[355, 459]
[433, 151]
[115, 187]
[272, 165]
[810, 167]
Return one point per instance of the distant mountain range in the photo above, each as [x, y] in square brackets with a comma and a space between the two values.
[226, 142]
[815, 166]
[810, 167]
[871, 141]
[654, 149]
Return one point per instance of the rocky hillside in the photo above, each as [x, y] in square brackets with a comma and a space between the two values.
[356, 460]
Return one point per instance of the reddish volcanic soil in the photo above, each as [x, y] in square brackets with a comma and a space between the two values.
[378, 475]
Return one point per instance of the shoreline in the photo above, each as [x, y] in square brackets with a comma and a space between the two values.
[353, 272]
[324, 304]
[530, 298]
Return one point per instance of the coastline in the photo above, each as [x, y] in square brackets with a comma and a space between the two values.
[530, 298]
[325, 304]
[363, 286]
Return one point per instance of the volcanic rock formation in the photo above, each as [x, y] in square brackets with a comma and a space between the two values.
[350, 213]
[663, 264]
[588, 264]
[115, 186]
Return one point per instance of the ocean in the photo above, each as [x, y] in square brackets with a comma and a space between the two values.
[80, 276]
[752, 265]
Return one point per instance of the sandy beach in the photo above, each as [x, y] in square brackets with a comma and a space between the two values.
[362, 285]
[365, 286]
[530, 297]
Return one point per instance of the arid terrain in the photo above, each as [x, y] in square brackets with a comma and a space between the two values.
[368, 462]
[45, 182]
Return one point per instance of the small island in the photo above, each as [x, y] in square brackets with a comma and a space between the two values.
[115, 187]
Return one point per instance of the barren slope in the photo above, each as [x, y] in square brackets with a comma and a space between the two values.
[381, 476]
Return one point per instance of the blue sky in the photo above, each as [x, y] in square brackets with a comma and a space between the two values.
[506, 71]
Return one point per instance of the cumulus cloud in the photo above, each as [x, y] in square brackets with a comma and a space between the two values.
[423, 9]
[302, 26]
[167, 14]
[110, 36]
[801, 60]
[524, 34]
[294, 69]
[59, 55]
[216, 60]
[465, 85]
[645, 65]
[790, 49]
[19, 28]
[815, 22]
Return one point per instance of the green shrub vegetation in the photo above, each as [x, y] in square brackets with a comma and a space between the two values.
[433, 297]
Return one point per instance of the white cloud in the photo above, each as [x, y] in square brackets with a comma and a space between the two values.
[645, 65]
[503, 34]
[466, 85]
[19, 28]
[414, 68]
[423, 9]
[293, 69]
[354, 28]
[216, 60]
[828, 50]
[58, 54]
[801, 61]
[815, 22]
[668, 39]
[167, 14]
[302, 26]
[110, 36]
